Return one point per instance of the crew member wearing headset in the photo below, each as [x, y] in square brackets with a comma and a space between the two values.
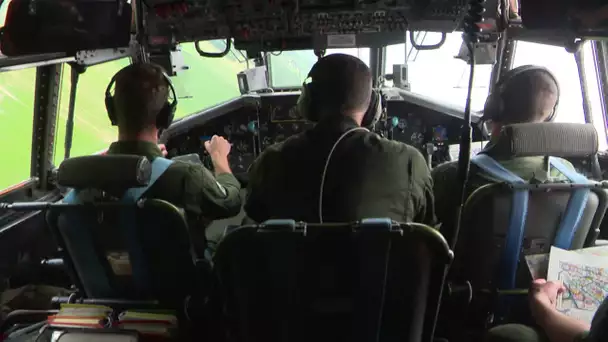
[339, 171]
[526, 94]
[140, 107]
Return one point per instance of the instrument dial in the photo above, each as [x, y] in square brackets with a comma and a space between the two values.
[417, 138]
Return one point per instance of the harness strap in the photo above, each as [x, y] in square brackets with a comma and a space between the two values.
[139, 267]
[517, 222]
[159, 166]
[576, 205]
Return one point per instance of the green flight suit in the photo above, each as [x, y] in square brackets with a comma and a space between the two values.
[446, 183]
[189, 186]
[368, 177]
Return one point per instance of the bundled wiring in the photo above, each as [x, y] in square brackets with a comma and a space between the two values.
[470, 37]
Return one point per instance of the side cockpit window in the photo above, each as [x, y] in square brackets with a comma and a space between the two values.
[16, 125]
[563, 65]
[204, 83]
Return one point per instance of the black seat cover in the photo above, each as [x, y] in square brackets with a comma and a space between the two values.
[331, 282]
[124, 250]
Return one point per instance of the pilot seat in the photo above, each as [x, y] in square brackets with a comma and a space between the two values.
[373, 280]
[510, 218]
[118, 244]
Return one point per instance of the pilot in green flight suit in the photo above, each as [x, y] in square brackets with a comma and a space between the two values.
[339, 171]
[140, 108]
[525, 94]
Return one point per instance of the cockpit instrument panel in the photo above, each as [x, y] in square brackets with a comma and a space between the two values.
[250, 128]
[440, 134]
[253, 123]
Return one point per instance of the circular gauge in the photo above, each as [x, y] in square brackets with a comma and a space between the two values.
[266, 141]
[402, 124]
[417, 138]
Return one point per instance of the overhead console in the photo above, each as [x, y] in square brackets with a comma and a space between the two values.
[252, 123]
[580, 18]
[262, 25]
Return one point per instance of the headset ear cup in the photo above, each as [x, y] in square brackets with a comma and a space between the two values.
[491, 109]
[305, 105]
[109, 101]
[554, 112]
[167, 114]
[110, 109]
[374, 111]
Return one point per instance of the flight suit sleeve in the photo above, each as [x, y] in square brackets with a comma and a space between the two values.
[256, 205]
[424, 204]
[219, 197]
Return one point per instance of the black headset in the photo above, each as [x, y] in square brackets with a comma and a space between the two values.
[308, 105]
[495, 103]
[163, 119]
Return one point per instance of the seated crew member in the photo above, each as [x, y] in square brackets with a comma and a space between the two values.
[556, 327]
[525, 94]
[140, 108]
[339, 171]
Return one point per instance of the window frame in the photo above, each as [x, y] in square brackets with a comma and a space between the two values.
[600, 54]
[36, 184]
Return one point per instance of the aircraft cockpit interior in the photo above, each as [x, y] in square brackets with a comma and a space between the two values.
[253, 122]
[114, 233]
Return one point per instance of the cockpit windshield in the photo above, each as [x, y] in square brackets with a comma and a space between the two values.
[433, 73]
[208, 81]
[288, 69]
[439, 74]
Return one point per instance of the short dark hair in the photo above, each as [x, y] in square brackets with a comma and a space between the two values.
[342, 83]
[141, 91]
[529, 97]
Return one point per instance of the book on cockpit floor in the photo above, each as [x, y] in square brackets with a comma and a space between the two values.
[80, 315]
[153, 323]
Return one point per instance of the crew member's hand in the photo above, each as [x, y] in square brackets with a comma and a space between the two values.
[163, 149]
[217, 147]
[543, 297]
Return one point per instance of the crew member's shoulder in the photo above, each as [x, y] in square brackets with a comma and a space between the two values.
[396, 146]
[445, 170]
[183, 167]
[291, 142]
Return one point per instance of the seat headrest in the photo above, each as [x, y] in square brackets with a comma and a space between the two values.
[546, 139]
[106, 172]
